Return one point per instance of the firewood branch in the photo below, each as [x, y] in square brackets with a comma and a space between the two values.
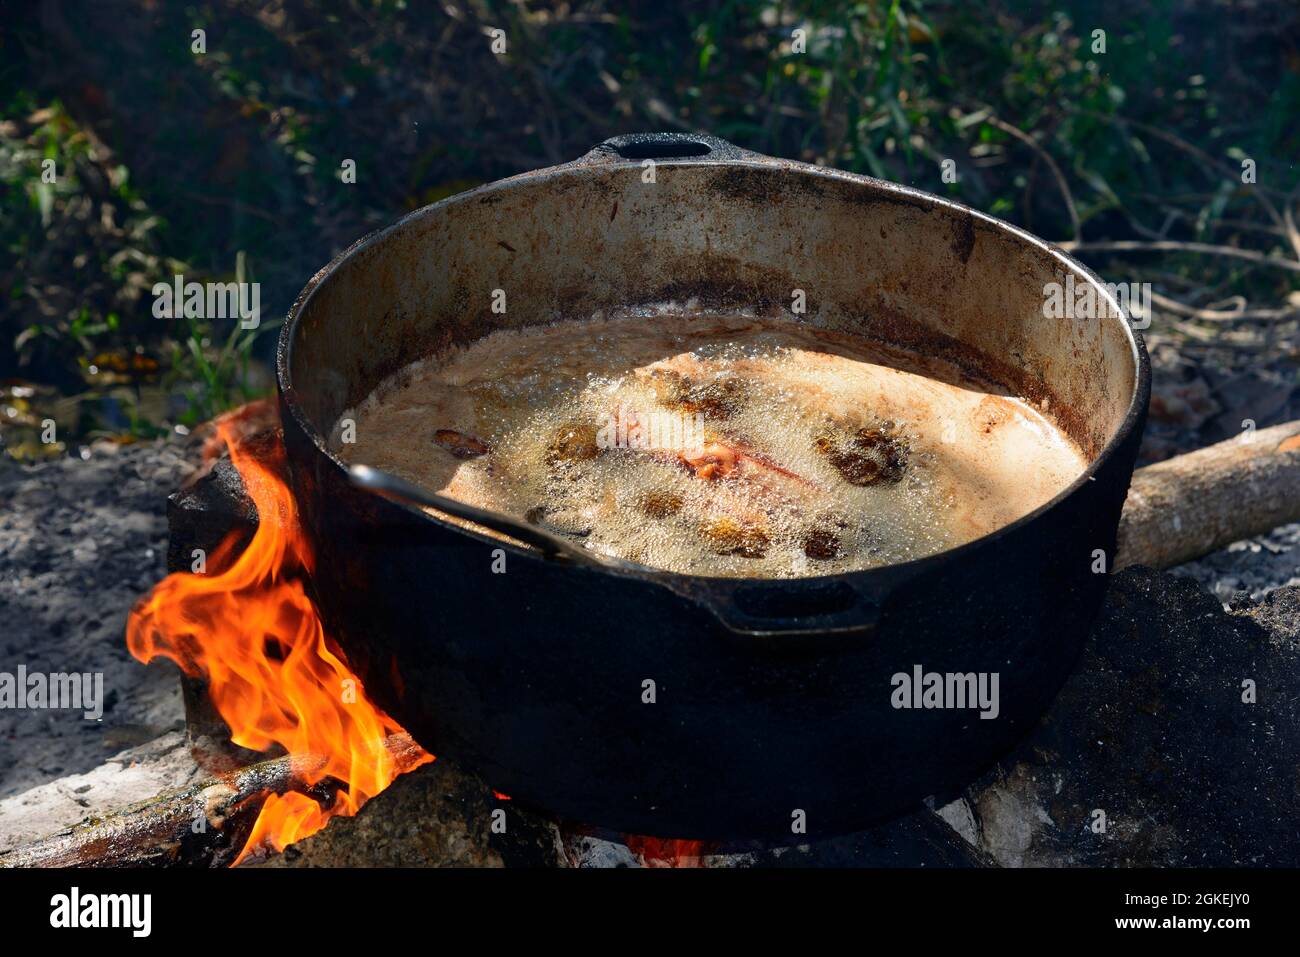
[1193, 504]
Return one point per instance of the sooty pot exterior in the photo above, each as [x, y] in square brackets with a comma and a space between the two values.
[662, 704]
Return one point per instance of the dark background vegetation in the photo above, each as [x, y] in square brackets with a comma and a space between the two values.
[227, 162]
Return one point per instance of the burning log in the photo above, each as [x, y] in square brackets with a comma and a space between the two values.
[246, 625]
[206, 824]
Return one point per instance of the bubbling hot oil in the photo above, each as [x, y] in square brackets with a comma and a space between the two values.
[727, 446]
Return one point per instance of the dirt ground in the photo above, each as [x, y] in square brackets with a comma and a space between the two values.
[80, 541]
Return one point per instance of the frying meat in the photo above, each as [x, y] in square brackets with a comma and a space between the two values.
[868, 456]
[573, 442]
[731, 537]
[459, 444]
[717, 398]
[718, 445]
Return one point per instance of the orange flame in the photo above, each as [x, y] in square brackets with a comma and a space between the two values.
[274, 676]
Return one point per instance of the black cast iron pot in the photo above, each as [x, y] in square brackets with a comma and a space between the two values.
[770, 698]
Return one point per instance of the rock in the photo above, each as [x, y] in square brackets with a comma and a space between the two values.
[439, 815]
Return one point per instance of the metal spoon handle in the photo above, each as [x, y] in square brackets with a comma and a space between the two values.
[390, 486]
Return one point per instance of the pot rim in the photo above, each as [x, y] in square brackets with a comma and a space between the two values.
[883, 574]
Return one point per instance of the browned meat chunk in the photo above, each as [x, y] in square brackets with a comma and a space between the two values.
[459, 444]
[661, 504]
[730, 537]
[716, 398]
[573, 442]
[822, 544]
[867, 456]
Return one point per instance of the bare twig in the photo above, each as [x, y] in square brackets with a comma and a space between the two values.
[1227, 223]
[1258, 192]
[1217, 315]
[1170, 245]
[161, 830]
[1037, 147]
[1288, 223]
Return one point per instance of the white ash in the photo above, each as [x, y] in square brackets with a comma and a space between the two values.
[1256, 565]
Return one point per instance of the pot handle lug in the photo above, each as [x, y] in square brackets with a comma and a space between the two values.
[639, 147]
[773, 611]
